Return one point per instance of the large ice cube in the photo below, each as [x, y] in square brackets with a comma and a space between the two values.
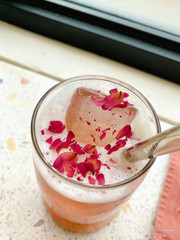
[88, 121]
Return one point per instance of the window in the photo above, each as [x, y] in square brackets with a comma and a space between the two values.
[114, 32]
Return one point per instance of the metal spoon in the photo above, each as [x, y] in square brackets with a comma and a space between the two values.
[163, 143]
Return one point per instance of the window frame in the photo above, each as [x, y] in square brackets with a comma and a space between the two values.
[120, 39]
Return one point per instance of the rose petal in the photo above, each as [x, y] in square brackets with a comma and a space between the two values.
[79, 179]
[124, 132]
[97, 103]
[104, 164]
[113, 91]
[100, 178]
[49, 140]
[112, 100]
[119, 144]
[70, 136]
[42, 132]
[77, 148]
[55, 143]
[102, 136]
[64, 160]
[107, 129]
[58, 164]
[93, 164]
[91, 180]
[82, 169]
[108, 146]
[69, 172]
[94, 140]
[88, 123]
[70, 158]
[56, 127]
[112, 161]
[66, 144]
[88, 148]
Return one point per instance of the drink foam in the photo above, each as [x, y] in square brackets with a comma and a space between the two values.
[56, 110]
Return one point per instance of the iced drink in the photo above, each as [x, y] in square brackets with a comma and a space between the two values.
[79, 130]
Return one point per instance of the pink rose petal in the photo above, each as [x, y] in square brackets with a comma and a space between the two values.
[91, 180]
[124, 132]
[98, 103]
[88, 148]
[70, 159]
[77, 148]
[108, 146]
[102, 136]
[42, 132]
[66, 144]
[93, 164]
[100, 178]
[79, 179]
[82, 169]
[49, 140]
[56, 127]
[69, 172]
[119, 144]
[113, 91]
[65, 160]
[115, 99]
[55, 143]
[112, 161]
[59, 164]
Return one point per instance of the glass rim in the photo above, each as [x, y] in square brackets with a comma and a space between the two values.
[72, 181]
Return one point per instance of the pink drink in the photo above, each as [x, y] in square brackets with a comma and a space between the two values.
[85, 189]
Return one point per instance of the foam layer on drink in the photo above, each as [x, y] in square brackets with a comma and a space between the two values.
[57, 110]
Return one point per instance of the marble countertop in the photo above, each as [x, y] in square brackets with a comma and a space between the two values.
[23, 215]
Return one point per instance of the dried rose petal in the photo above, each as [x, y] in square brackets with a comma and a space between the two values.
[91, 180]
[119, 144]
[93, 164]
[113, 100]
[94, 140]
[70, 136]
[65, 160]
[66, 144]
[70, 158]
[124, 132]
[105, 164]
[88, 123]
[113, 91]
[42, 132]
[79, 179]
[88, 148]
[98, 129]
[98, 103]
[58, 164]
[108, 146]
[107, 129]
[77, 148]
[112, 161]
[56, 127]
[49, 140]
[55, 143]
[69, 172]
[102, 136]
[100, 178]
[82, 169]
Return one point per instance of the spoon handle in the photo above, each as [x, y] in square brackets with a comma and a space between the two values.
[160, 144]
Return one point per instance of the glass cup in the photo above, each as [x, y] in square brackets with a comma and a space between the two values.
[75, 205]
